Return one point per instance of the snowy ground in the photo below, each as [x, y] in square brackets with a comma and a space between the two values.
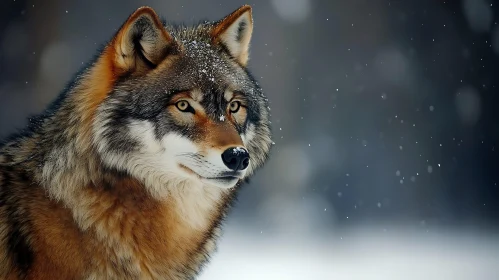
[361, 253]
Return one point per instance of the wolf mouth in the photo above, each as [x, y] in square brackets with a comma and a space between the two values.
[224, 176]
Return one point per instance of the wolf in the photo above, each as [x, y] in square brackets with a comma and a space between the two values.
[131, 171]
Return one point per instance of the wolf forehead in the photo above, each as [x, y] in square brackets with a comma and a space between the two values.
[206, 63]
[200, 64]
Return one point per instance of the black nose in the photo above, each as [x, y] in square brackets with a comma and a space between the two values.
[236, 158]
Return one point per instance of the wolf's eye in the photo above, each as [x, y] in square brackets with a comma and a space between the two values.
[234, 106]
[184, 106]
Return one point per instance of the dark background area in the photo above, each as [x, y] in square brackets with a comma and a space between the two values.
[383, 112]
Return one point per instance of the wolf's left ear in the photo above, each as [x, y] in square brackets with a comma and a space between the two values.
[234, 32]
[141, 43]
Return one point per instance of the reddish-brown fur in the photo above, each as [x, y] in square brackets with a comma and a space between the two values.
[100, 82]
[58, 245]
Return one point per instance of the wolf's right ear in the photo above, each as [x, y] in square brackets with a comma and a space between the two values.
[141, 43]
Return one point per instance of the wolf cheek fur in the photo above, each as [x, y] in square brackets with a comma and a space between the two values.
[130, 173]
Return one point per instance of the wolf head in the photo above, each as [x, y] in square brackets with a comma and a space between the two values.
[183, 107]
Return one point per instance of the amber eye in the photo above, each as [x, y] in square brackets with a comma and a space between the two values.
[234, 106]
[183, 106]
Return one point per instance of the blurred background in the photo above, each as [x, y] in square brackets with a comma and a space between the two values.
[385, 120]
